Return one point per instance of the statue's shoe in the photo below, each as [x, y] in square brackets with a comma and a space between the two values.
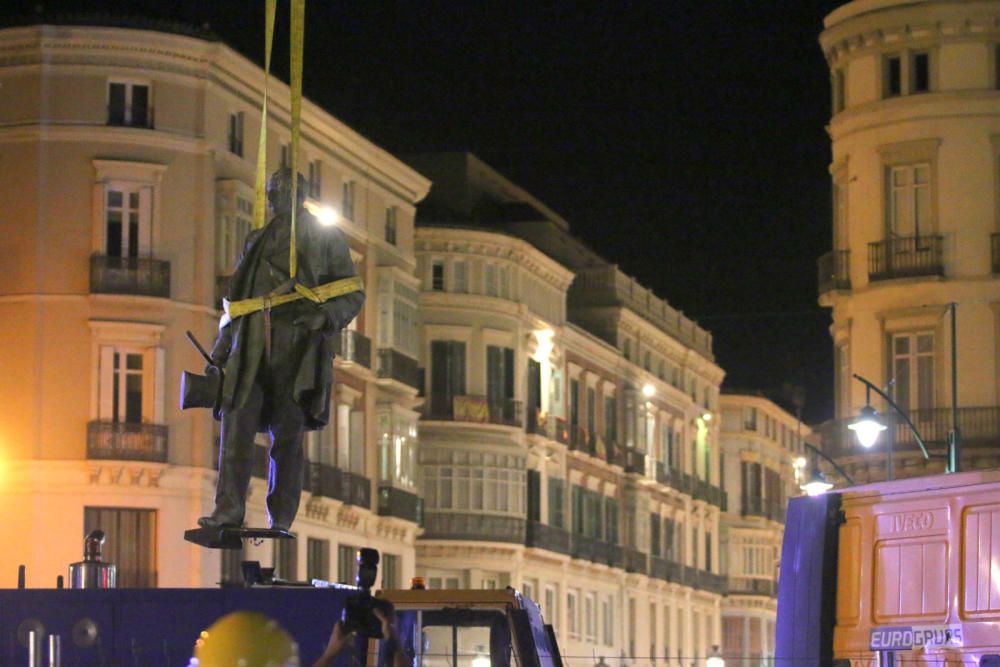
[217, 522]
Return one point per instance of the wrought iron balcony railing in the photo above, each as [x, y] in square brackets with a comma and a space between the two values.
[905, 257]
[350, 345]
[139, 276]
[398, 503]
[769, 508]
[636, 561]
[751, 586]
[549, 426]
[476, 409]
[395, 365]
[635, 462]
[331, 482]
[125, 441]
[979, 426]
[473, 526]
[543, 536]
[834, 271]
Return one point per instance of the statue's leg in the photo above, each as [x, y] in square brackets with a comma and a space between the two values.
[287, 462]
[239, 426]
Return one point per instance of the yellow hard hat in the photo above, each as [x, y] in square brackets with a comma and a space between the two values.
[245, 639]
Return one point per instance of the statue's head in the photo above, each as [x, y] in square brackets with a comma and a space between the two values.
[279, 190]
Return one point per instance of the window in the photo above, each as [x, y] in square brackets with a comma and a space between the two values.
[482, 482]
[590, 617]
[131, 542]
[128, 209]
[996, 66]
[591, 411]
[236, 133]
[557, 513]
[647, 362]
[437, 276]
[447, 375]
[347, 563]
[350, 439]
[654, 534]
[843, 379]
[608, 621]
[611, 520]
[909, 200]
[347, 203]
[528, 590]
[610, 420]
[500, 383]
[838, 91]
[286, 155]
[490, 280]
[286, 559]
[391, 213]
[505, 289]
[317, 559]
[390, 572]
[893, 76]
[750, 419]
[627, 349]
[572, 618]
[460, 278]
[913, 370]
[708, 551]
[551, 609]
[920, 73]
[397, 445]
[129, 104]
[234, 216]
[314, 183]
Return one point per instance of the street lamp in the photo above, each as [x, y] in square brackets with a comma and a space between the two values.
[715, 659]
[867, 427]
[818, 483]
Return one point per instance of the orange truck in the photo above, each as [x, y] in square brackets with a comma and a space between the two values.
[905, 572]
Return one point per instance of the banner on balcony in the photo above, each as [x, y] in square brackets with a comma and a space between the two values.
[471, 409]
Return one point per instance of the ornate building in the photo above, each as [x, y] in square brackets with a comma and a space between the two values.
[762, 449]
[914, 131]
[567, 443]
[128, 158]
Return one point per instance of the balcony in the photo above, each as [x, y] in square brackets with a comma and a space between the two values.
[350, 345]
[398, 503]
[768, 508]
[834, 271]
[394, 365]
[635, 462]
[476, 409]
[542, 536]
[549, 426]
[124, 441]
[979, 426]
[595, 550]
[659, 568]
[995, 252]
[905, 257]
[636, 561]
[581, 441]
[137, 276]
[709, 581]
[750, 586]
[330, 482]
[473, 526]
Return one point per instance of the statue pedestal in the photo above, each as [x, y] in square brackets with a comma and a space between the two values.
[231, 537]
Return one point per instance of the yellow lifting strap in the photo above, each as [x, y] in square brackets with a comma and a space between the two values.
[317, 295]
[297, 37]
[260, 198]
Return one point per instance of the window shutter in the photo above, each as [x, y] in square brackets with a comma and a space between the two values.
[145, 221]
[105, 383]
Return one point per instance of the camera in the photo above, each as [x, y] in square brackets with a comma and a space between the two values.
[359, 609]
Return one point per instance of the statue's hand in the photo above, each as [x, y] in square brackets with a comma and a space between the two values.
[313, 321]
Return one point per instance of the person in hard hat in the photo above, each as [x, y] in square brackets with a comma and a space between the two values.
[390, 643]
[245, 639]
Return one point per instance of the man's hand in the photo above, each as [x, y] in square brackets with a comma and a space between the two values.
[313, 321]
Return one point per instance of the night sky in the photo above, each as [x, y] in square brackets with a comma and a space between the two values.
[684, 141]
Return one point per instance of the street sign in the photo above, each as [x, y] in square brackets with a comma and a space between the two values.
[905, 638]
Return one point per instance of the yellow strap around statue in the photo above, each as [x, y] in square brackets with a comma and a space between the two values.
[318, 294]
[297, 37]
[260, 197]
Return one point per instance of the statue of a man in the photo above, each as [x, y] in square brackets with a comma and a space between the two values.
[277, 359]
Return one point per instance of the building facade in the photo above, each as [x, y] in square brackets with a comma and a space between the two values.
[567, 445]
[128, 157]
[763, 463]
[916, 157]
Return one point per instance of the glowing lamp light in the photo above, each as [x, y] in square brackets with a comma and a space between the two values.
[326, 215]
[707, 416]
[800, 462]
[481, 659]
[715, 660]
[543, 349]
[648, 390]
[867, 426]
[817, 484]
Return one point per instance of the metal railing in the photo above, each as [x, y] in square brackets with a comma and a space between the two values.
[473, 526]
[395, 365]
[350, 345]
[476, 409]
[979, 426]
[905, 257]
[635, 462]
[595, 550]
[769, 508]
[549, 426]
[543, 536]
[751, 586]
[398, 503]
[580, 440]
[834, 271]
[636, 561]
[125, 441]
[140, 276]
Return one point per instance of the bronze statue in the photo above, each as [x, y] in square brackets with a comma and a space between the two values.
[274, 346]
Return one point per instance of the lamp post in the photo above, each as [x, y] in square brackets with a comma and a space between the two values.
[818, 483]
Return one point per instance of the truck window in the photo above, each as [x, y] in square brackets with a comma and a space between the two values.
[456, 638]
